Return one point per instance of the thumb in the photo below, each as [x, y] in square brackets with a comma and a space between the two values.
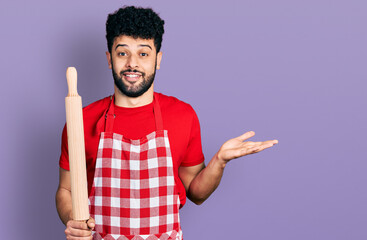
[246, 135]
[91, 223]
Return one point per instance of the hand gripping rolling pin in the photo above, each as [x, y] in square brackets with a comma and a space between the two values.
[75, 130]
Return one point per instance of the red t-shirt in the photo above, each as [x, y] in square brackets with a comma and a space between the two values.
[179, 119]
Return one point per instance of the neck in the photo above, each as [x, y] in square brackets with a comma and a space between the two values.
[122, 100]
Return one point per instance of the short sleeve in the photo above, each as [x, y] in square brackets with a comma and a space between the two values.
[194, 153]
[64, 157]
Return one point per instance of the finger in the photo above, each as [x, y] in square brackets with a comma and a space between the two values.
[251, 146]
[91, 223]
[263, 146]
[248, 144]
[79, 238]
[77, 225]
[271, 141]
[245, 136]
[74, 232]
[256, 144]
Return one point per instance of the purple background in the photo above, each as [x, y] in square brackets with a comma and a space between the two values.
[290, 69]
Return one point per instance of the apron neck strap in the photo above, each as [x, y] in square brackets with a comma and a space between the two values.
[110, 114]
[157, 113]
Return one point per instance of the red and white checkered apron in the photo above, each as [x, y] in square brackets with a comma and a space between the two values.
[133, 194]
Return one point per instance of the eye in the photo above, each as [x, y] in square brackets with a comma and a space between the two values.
[144, 54]
[121, 54]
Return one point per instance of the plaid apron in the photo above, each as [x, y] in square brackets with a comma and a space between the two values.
[133, 194]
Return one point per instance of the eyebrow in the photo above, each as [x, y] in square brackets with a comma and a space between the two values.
[140, 45]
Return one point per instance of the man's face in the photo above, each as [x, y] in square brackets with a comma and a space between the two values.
[133, 63]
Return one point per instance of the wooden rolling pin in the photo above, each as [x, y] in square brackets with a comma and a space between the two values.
[75, 132]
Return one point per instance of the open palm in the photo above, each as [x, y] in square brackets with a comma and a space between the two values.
[236, 147]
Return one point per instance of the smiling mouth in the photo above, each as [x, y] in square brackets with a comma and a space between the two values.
[132, 76]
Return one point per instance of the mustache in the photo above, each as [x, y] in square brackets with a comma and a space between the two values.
[132, 70]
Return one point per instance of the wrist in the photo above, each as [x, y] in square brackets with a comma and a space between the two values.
[219, 161]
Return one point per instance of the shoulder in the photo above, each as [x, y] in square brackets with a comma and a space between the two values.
[94, 111]
[174, 105]
[97, 106]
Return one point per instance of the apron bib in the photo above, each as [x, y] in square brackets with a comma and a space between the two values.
[133, 194]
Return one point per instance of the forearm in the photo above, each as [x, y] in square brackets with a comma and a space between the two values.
[63, 204]
[205, 183]
[200, 181]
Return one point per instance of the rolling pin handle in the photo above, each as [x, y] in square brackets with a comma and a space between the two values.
[71, 76]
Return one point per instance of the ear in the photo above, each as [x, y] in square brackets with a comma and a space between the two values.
[108, 55]
[159, 59]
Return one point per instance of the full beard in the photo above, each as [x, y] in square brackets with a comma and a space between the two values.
[134, 90]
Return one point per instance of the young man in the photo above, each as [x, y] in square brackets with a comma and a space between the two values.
[143, 149]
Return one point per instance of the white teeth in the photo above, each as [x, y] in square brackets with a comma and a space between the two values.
[132, 76]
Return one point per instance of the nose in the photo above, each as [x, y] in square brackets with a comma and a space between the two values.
[132, 62]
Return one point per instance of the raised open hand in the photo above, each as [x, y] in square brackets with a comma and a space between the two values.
[236, 147]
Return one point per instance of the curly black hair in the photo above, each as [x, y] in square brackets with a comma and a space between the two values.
[136, 22]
